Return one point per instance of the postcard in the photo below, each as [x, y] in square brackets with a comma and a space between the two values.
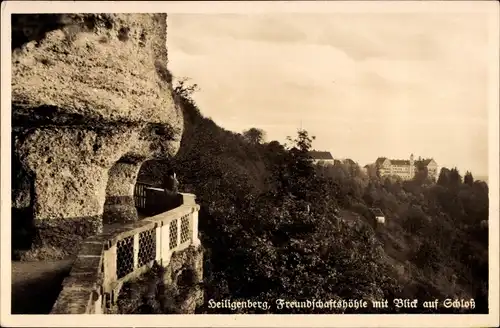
[250, 164]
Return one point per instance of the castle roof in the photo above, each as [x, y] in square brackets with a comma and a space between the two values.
[320, 155]
[424, 162]
[400, 162]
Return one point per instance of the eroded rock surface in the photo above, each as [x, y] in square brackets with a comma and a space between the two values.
[91, 101]
[184, 278]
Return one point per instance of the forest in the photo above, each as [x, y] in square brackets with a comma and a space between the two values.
[275, 226]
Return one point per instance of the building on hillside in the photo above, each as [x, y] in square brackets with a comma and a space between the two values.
[321, 157]
[431, 166]
[378, 214]
[404, 168]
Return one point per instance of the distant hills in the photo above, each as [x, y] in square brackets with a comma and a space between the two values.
[482, 178]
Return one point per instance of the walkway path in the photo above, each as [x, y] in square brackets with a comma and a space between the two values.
[36, 285]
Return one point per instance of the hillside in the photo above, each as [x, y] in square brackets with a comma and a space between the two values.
[262, 243]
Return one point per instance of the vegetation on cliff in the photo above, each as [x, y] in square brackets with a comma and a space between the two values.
[275, 226]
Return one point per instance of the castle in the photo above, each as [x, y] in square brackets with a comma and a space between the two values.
[406, 169]
[321, 157]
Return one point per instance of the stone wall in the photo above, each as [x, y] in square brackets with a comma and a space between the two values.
[91, 101]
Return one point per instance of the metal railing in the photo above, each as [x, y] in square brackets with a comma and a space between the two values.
[140, 194]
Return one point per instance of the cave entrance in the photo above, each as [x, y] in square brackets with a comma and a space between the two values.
[120, 205]
[156, 188]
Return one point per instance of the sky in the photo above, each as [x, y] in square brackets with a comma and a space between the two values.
[366, 85]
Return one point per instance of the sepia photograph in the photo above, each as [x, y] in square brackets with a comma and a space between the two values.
[229, 163]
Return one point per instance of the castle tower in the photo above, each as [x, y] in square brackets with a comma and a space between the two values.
[412, 166]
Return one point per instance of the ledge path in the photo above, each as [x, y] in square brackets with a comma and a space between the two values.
[36, 285]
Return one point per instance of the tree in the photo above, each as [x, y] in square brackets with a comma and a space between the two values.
[455, 177]
[275, 146]
[299, 162]
[293, 171]
[254, 135]
[468, 178]
[302, 143]
[444, 179]
[415, 220]
[421, 176]
[421, 172]
[371, 170]
[185, 90]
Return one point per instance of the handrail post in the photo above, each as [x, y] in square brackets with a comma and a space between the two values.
[159, 242]
[136, 251]
[165, 241]
[109, 269]
[195, 241]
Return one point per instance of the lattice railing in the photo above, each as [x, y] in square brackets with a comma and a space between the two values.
[173, 234]
[140, 249]
[147, 247]
[124, 252]
[155, 239]
[185, 229]
[124, 257]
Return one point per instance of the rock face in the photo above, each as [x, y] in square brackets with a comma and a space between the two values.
[174, 289]
[183, 279]
[91, 101]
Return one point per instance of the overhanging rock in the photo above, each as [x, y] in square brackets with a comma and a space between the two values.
[91, 101]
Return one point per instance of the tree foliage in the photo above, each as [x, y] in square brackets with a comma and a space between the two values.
[468, 178]
[185, 90]
[254, 135]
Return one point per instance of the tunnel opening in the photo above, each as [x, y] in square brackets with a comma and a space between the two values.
[137, 189]
[23, 231]
[120, 204]
[157, 188]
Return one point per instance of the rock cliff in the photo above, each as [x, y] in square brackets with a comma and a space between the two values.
[91, 101]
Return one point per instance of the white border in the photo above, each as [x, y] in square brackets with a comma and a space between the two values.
[491, 320]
